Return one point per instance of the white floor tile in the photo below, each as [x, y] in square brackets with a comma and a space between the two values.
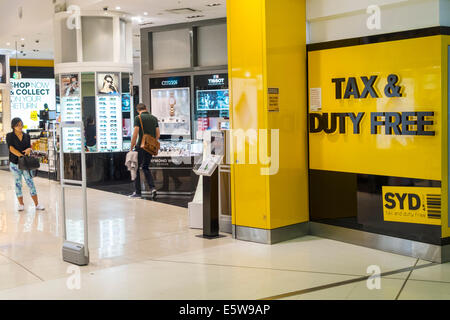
[12, 275]
[145, 250]
[309, 254]
[163, 280]
[438, 272]
[388, 290]
[425, 290]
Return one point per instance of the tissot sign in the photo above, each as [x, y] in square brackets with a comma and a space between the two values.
[216, 80]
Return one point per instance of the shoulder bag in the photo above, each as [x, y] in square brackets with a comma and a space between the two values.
[28, 163]
[149, 143]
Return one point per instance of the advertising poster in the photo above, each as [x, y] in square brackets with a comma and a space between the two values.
[172, 108]
[29, 97]
[70, 85]
[3, 69]
[109, 123]
[108, 84]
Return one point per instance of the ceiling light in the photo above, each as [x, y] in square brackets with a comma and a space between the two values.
[8, 43]
[145, 13]
[182, 10]
[22, 39]
[118, 8]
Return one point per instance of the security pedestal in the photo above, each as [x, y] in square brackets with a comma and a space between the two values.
[211, 205]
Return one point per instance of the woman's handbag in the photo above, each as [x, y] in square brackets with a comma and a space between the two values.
[29, 163]
[149, 144]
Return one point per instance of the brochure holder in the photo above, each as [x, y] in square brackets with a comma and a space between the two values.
[209, 169]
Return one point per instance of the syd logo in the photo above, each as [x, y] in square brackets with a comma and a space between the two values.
[397, 199]
[412, 205]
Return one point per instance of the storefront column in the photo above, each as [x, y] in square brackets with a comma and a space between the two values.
[267, 69]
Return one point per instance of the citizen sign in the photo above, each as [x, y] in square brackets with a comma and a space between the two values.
[169, 83]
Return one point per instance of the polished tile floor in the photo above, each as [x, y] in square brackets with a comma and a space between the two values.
[145, 250]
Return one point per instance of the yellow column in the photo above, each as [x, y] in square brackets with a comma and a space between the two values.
[445, 141]
[267, 53]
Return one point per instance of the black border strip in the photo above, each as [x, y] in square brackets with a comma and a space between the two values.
[395, 36]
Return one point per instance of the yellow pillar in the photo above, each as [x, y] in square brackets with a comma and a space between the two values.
[267, 71]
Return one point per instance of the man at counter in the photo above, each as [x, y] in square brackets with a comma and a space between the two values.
[145, 123]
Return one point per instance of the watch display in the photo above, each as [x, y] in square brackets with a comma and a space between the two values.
[176, 148]
[173, 109]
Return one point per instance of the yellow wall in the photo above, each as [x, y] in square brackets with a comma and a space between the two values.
[386, 155]
[445, 142]
[286, 69]
[267, 50]
[424, 82]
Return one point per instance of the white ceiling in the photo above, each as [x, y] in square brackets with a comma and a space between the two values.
[37, 20]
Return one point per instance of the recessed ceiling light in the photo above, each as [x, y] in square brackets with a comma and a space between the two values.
[8, 43]
[145, 13]
[118, 8]
[22, 39]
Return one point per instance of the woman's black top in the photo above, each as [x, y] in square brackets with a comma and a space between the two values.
[13, 141]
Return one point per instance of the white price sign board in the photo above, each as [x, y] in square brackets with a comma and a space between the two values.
[71, 111]
[109, 123]
[209, 165]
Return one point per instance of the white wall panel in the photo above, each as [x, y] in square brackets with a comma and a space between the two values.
[171, 49]
[342, 19]
[212, 45]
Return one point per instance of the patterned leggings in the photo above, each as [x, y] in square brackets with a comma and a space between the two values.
[18, 174]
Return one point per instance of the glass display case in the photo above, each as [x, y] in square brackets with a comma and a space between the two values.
[171, 104]
[184, 148]
[212, 103]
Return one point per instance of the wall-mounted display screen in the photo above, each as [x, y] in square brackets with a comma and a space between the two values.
[213, 100]
[29, 97]
[173, 109]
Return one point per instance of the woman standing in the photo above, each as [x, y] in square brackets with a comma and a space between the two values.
[19, 144]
